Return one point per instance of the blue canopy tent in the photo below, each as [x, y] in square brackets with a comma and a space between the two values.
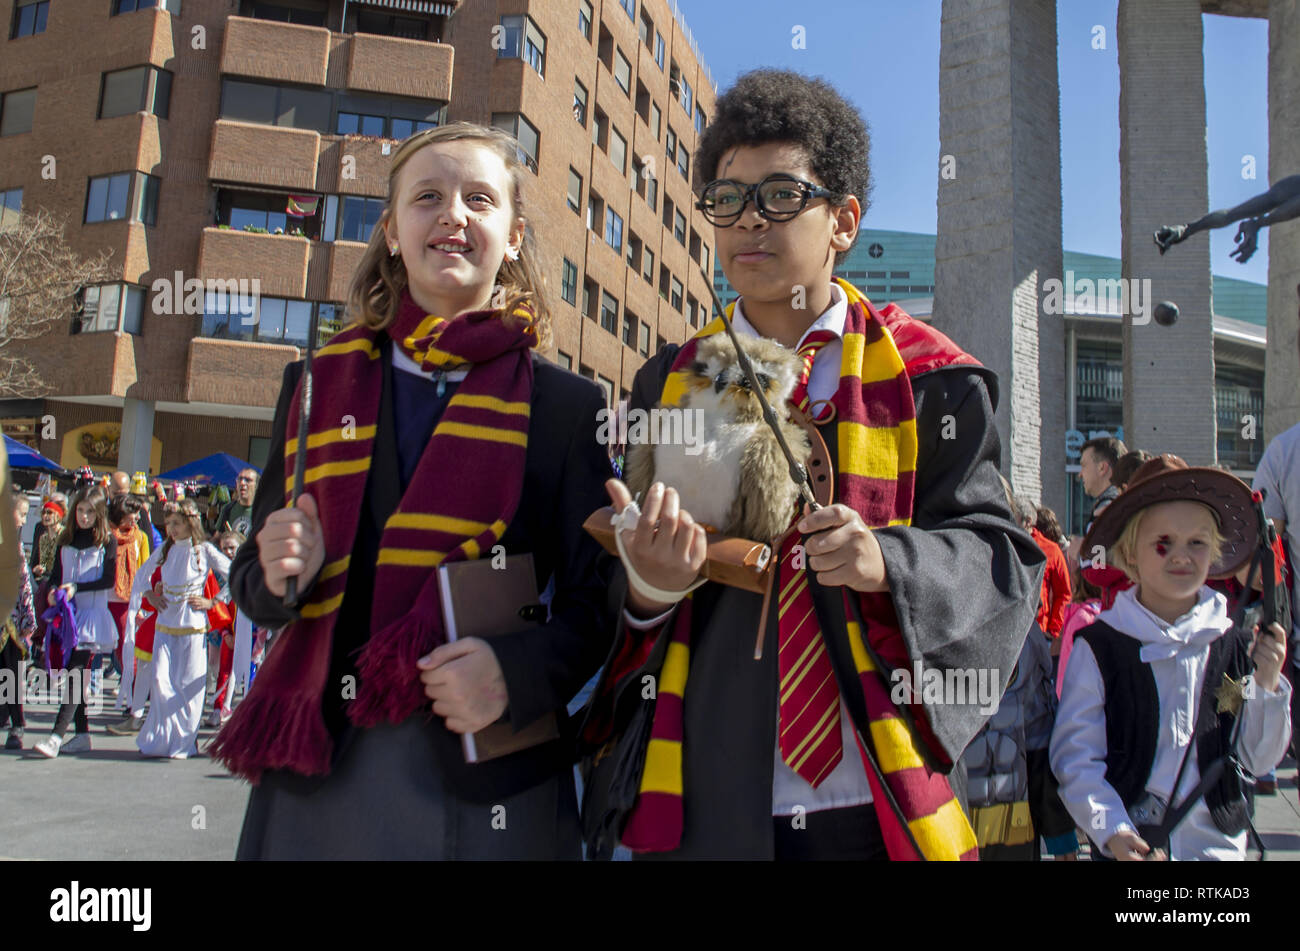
[23, 457]
[220, 468]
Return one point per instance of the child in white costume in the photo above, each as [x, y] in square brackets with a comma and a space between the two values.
[1165, 650]
[179, 654]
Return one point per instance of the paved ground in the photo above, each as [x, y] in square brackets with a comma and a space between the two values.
[111, 803]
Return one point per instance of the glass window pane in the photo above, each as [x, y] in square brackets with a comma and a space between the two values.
[276, 219]
[242, 217]
[123, 92]
[623, 71]
[26, 21]
[304, 109]
[247, 102]
[508, 37]
[270, 321]
[331, 217]
[575, 190]
[618, 151]
[109, 297]
[353, 219]
[96, 198]
[162, 93]
[347, 124]
[297, 321]
[146, 201]
[17, 111]
[372, 126]
[118, 187]
[215, 318]
[89, 308]
[133, 310]
[527, 136]
[402, 128]
[374, 208]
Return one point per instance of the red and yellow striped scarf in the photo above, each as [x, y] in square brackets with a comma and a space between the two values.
[449, 512]
[875, 433]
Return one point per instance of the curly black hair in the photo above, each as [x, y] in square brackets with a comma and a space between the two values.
[777, 105]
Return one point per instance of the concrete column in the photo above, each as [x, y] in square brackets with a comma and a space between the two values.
[1168, 371]
[1281, 360]
[999, 238]
[134, 449]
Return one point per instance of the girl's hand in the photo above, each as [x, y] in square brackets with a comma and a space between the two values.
[228, 640]
[668, 547]
[465, 683]
[199, 603]
[291, 544]
[1127, 846]
[156, 596]
[1268, 648]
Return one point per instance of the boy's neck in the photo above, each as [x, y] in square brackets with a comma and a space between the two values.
[1167, 610]
[784, 323]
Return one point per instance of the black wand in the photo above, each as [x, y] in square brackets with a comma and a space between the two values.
[300, 455]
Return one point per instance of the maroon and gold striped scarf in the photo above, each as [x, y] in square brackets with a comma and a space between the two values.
[449, 512]
[875, 430]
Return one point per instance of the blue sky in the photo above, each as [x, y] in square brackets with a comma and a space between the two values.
[884, 55]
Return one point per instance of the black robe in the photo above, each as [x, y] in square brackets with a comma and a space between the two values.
[965, 582]
[405, 791]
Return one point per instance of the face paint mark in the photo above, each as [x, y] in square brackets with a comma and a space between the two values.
[1162, 545]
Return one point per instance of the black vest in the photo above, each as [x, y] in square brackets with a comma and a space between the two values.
[1132, 709]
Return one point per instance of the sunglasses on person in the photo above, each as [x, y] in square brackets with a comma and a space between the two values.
[778, 197]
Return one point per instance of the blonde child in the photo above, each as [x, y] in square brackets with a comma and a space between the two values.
[1134, 720]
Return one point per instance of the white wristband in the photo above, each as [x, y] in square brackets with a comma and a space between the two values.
[626, 521]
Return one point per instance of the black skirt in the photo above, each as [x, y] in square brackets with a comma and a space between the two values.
[386, 799]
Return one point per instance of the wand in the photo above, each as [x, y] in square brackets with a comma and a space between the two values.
[300, 456]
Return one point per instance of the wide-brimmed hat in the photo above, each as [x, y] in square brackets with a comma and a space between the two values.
[1167, 478]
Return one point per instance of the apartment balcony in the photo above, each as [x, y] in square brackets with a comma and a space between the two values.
[280, 52]
[399, 67]
[277, 262]
[214, 366]
[264, 155]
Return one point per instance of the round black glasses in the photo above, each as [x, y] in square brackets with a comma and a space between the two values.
[778, 197]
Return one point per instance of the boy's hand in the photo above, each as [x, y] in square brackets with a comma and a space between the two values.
[1127, 846]
[1268, 649]
[842, 550]
[668, 547]
[465, 683]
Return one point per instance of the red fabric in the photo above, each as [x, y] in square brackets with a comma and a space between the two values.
[1056, 585]
[224, 665]
[1110, 581]
[118, 610]
[921, 346]
[219, 616]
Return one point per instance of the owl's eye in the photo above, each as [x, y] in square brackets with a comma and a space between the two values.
[764, 381]
[699, 368]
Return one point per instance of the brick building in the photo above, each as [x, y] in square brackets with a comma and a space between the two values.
[180, 135]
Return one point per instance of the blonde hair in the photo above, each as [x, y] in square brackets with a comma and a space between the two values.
[1124, 551]
[376, 290]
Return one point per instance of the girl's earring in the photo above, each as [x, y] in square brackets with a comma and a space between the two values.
[392, 250]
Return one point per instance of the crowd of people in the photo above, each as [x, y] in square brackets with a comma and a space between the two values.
[1133, 685]
[101, 585]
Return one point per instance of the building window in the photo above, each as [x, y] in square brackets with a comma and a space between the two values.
[688, 101]
[525, 134]
[629, 328]
[575, 191]
[584, 19]
[263, 319]
[648, 266]
[145, 209]
[669, 209]
[142, 88]
[656, 120]
[595, 211]
[629, 7]
[651, 191]
[564, 360]
[569, 282]
[643, 340]
[589, 298]
[608, 387]
[600, 131]
[671, 146]
[11, 207]
[360, 215]
[107, 198]
[523, 40]
[618, 151]
[679, 228]
[704, 258]
[622, 71]
[664, 277]
[701, 120]
[16, 111]
[645, 28]
[683, 160]
[694, 313]
[659, 50]
[268, 212]
[580, 103]
[271, 11]
[108, 308]
[29, 19]
[609, 312]
[130, 6]
[613, 230]
[675, 297]
[633, 251]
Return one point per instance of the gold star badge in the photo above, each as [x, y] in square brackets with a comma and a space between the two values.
[1230, 695]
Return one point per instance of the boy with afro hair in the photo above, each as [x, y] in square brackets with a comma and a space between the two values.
[762, 759]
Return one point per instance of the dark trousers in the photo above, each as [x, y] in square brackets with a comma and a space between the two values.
[851, 834]
[11, 671]
[73, 710]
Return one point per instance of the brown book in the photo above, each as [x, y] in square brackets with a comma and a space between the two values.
[479, 600]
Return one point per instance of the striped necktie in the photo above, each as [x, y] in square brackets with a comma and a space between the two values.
[809, 699]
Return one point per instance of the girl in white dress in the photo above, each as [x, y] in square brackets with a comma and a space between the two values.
[179, 656]
[85, 566]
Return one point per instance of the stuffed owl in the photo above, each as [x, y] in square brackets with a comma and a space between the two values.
[734, 477]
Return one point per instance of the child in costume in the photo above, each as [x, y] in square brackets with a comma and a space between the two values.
[183, 598]
[467, 444]
[760, 759]
[224, 692]
[1156, 684]
[85, 567]
[132, 552]
[16, 634]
